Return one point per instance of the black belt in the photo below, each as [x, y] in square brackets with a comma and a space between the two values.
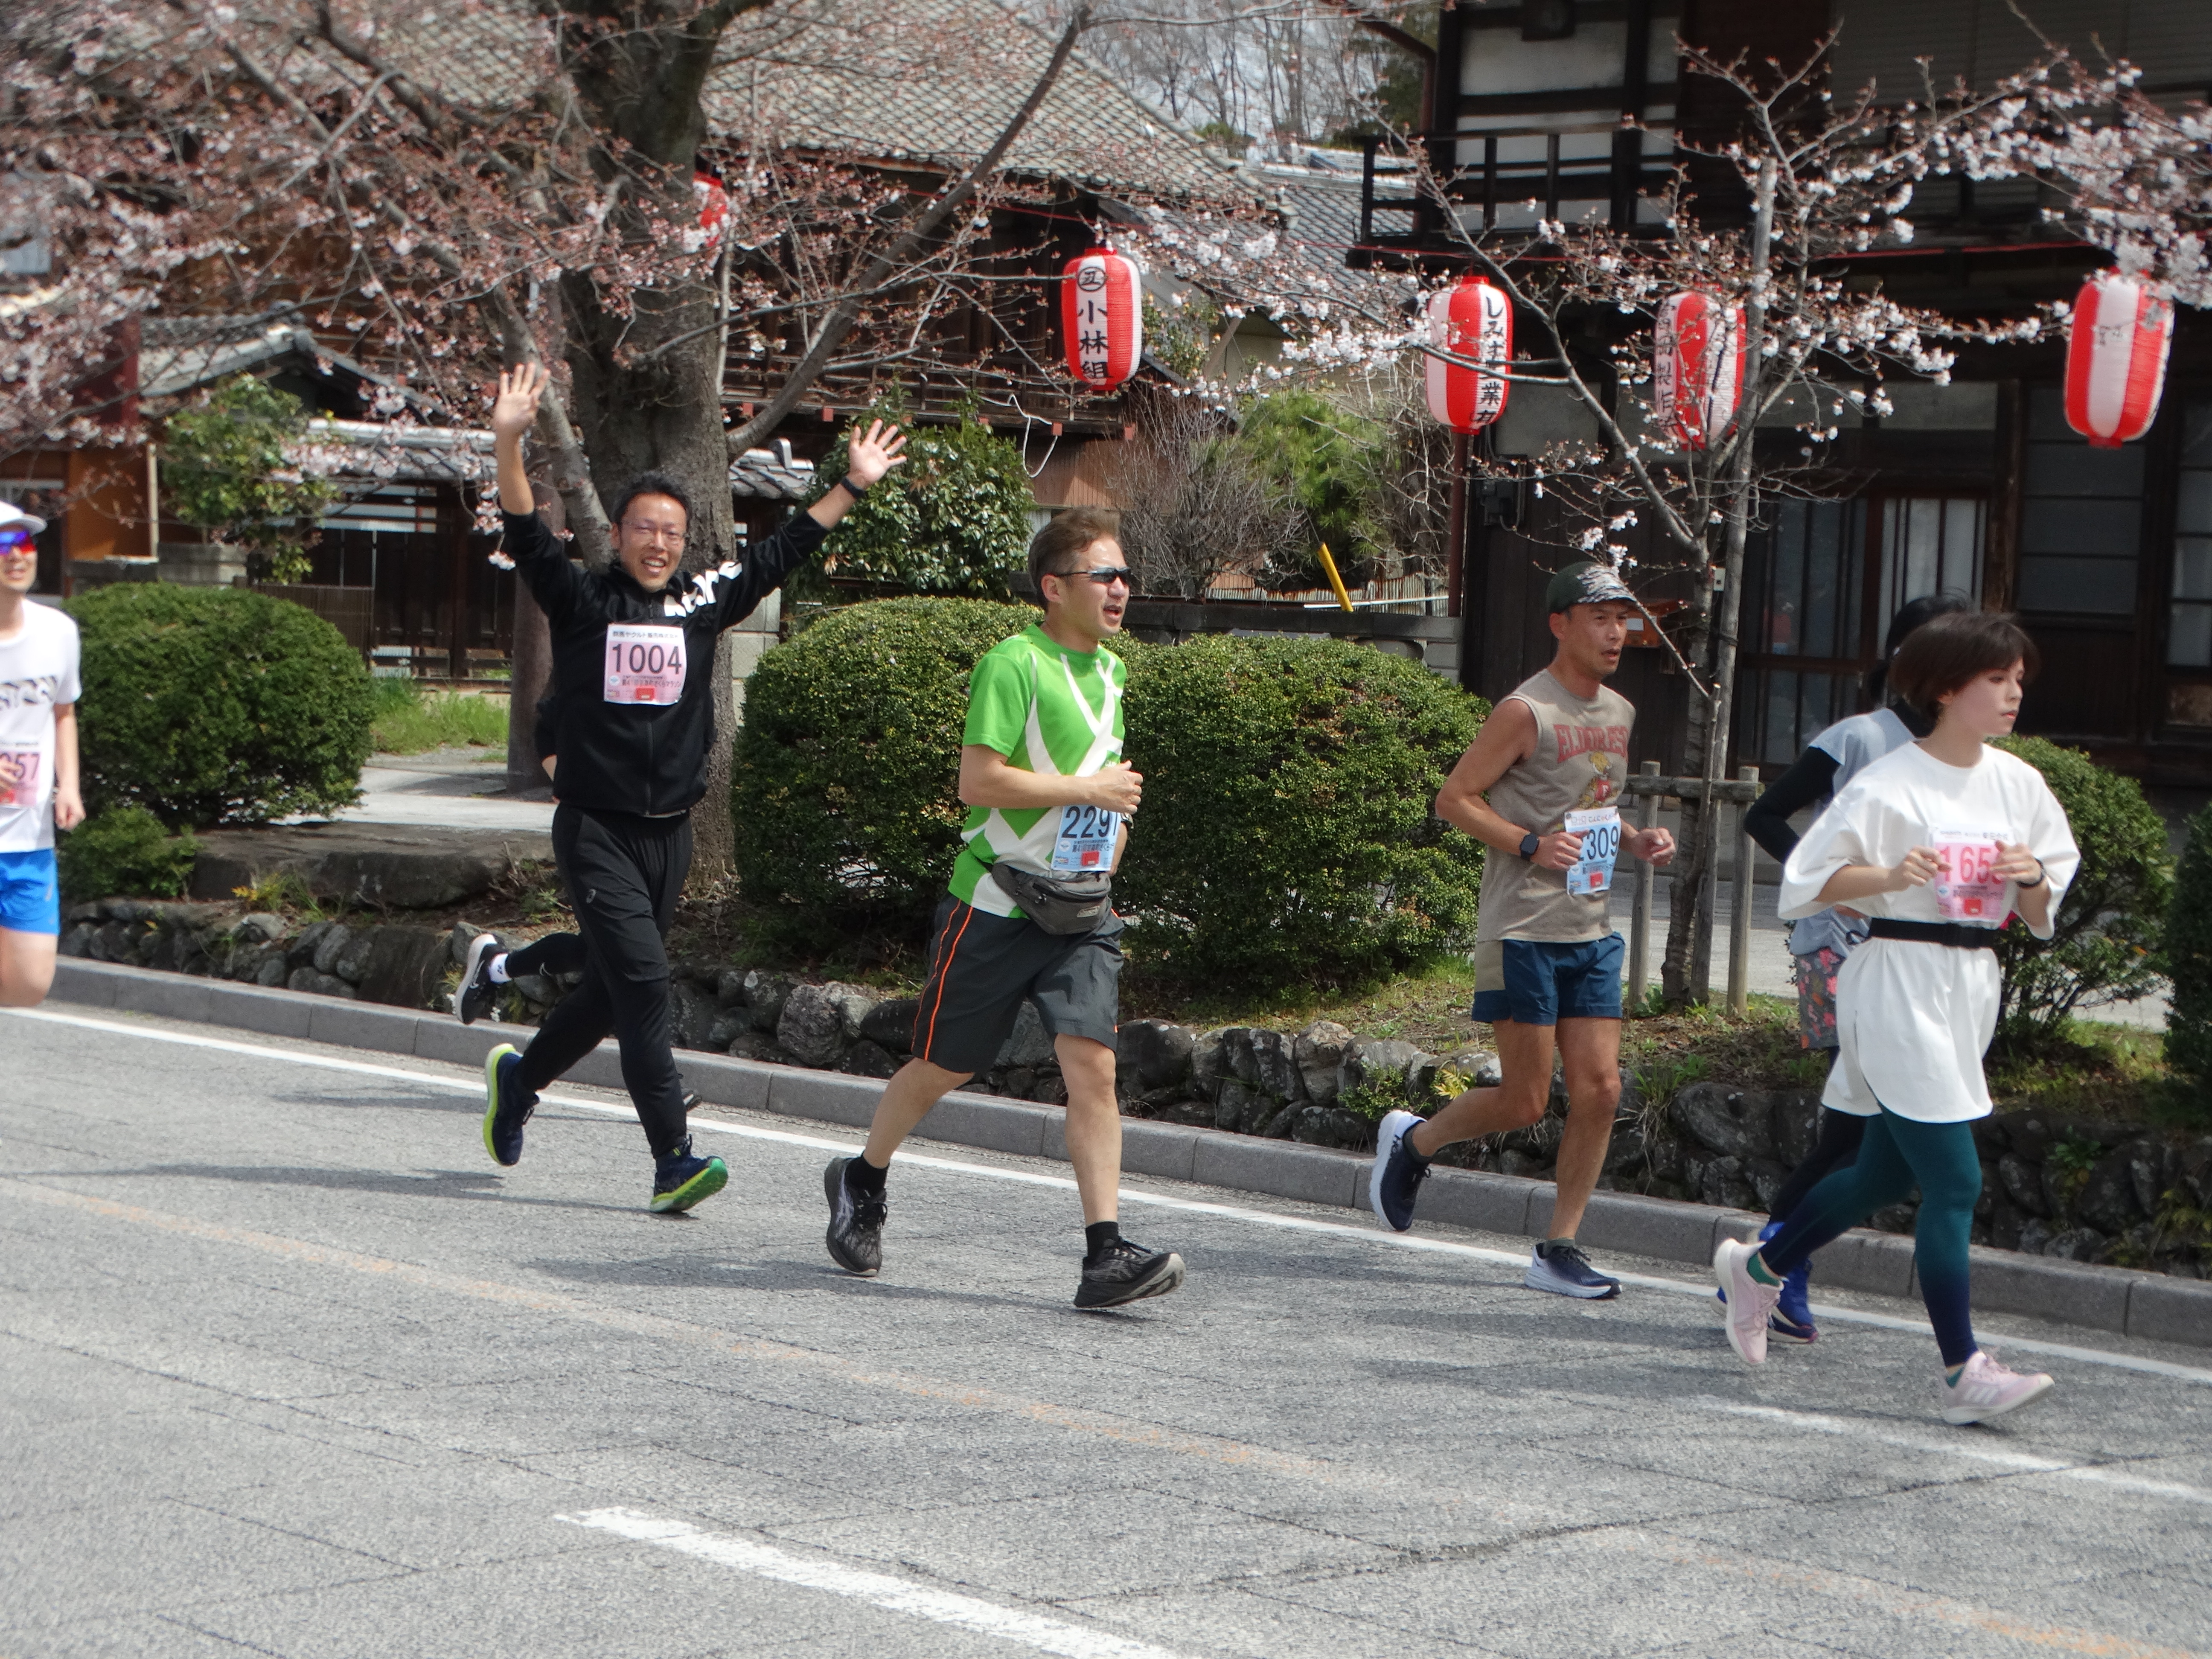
[1956, 934]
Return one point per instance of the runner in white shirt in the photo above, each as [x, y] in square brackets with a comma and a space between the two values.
[37, 763]
[1939, 844]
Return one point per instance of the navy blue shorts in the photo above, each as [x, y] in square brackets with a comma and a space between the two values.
[1540, 983]
[30, 898]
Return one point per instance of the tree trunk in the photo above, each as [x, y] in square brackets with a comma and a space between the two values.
[1686, 974]
[533, 668]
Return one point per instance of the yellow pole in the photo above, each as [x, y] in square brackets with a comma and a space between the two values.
[1335, 580]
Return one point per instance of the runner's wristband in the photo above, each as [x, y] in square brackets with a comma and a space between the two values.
[2042, 875]
[856, 490]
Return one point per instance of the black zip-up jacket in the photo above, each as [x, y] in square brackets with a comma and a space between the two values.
[647, 756]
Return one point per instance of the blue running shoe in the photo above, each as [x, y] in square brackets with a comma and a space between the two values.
[1557, 1265]
[679, 1181]
[507, 1106]
[1394, 1180]
[1793, 1313]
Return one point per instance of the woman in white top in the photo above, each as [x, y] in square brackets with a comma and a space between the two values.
[1939, 843]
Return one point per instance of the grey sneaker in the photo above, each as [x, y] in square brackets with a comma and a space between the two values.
[473, 999]
[855, 1237]
[1394, 1179]
[1125, 1272]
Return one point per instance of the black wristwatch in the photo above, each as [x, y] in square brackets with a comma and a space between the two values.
[856, 490]
[1530, 843]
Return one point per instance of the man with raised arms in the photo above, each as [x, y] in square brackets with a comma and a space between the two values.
[1540, 787]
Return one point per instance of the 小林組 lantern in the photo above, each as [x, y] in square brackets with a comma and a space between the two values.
[1472, 319]
[1102, 309]
[1696, 369]
[2116, 350]
[713, 200]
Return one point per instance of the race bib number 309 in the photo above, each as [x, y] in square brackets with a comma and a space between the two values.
[1599, 828]
[644, 663]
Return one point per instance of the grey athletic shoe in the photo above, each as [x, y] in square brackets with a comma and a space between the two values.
[1559, 1265]
[1124, 1273]
[855, 1237]
[473, 999]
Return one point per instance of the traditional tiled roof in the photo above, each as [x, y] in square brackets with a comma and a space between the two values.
[775, 475]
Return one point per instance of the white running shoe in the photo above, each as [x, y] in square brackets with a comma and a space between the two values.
[1749, 1302]
[1985, 1389]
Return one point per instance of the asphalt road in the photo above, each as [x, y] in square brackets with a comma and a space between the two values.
[288, 1367]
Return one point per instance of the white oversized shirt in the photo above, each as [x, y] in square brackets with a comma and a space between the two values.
[38, 670]
[1914, 1019]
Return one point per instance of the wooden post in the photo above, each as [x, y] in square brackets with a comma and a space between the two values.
[454, 511]
[1739, 983]
[1639, 926]
[1455, 534]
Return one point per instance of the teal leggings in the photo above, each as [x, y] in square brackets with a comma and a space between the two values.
[1896, 1155]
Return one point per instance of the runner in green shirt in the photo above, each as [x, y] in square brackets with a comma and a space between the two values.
[1048, 797]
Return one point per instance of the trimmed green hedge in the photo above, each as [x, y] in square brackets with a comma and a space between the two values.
[124, 852]
[2111, 925]
[217, 705]
[2189, 961]
[1285, 838]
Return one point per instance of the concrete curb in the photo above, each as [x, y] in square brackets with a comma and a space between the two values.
[2148, 1305]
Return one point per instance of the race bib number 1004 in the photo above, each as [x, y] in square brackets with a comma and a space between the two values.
[1085, 841]
[645, 663]
[1599, 828]
[1966, 891]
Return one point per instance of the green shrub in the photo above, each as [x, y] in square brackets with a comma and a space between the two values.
[212, 705]
[2189, 964]
[123, 852]
[954, 517]
[2110, 927]
[227, 465]
[1285, 838]
[843, 786]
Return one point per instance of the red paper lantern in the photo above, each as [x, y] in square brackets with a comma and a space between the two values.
[1471, 319]
[1102, 309]
[2116, 352]
[1696, 369]
[713, 204]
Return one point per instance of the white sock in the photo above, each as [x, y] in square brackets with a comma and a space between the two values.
[497, 972]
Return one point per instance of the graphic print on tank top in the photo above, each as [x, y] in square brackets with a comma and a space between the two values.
[1572, 782]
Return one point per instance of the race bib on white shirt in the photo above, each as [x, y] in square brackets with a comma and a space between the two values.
[1966, 891]
[1085, 841]
[25, 792]
[644, 663]
[1599, 828]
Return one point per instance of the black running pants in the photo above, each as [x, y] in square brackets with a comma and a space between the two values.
[623, 874]
[1836, 1148]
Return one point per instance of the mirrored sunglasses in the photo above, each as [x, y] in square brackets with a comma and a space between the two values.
[16, 540]
[1104, 576]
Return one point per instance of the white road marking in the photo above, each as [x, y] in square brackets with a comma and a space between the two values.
[1160, 1200]
[1962, 1447]
[880, 1589]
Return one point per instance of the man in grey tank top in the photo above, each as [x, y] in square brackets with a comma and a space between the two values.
[1551, 761]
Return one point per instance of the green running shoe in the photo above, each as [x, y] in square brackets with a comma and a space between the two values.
[680, 1181]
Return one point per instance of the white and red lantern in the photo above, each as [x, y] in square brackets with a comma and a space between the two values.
[713, 204]
[1102, 309]
[1696, 369]
[2116, 352]
[1471, 319]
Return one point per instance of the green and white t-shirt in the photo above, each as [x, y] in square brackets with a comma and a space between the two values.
[1048, 710]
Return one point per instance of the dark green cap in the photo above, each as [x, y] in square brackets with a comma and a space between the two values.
[1586, 583]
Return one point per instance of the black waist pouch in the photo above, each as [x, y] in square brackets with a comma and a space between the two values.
[1058, 904]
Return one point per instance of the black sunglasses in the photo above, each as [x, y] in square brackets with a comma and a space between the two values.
[1104, 576]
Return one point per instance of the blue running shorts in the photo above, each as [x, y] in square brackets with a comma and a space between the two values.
[1538, 982]
[30, 896]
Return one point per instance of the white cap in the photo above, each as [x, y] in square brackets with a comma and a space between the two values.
[12, 517]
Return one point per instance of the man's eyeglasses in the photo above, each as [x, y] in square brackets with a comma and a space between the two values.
[16, 542]
[1104, 576]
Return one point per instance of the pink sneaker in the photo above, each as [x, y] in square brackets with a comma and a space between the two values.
[1749, 1302]
[1985, 1388]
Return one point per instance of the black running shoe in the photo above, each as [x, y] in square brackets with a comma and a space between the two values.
[473, 1000]
[1125, 1272]
[1559, 1265]
[855, 1237]
[1394, 1179]
[507, 1106]
[679, 1181]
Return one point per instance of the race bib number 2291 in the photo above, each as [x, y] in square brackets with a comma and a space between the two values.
[644, 663]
